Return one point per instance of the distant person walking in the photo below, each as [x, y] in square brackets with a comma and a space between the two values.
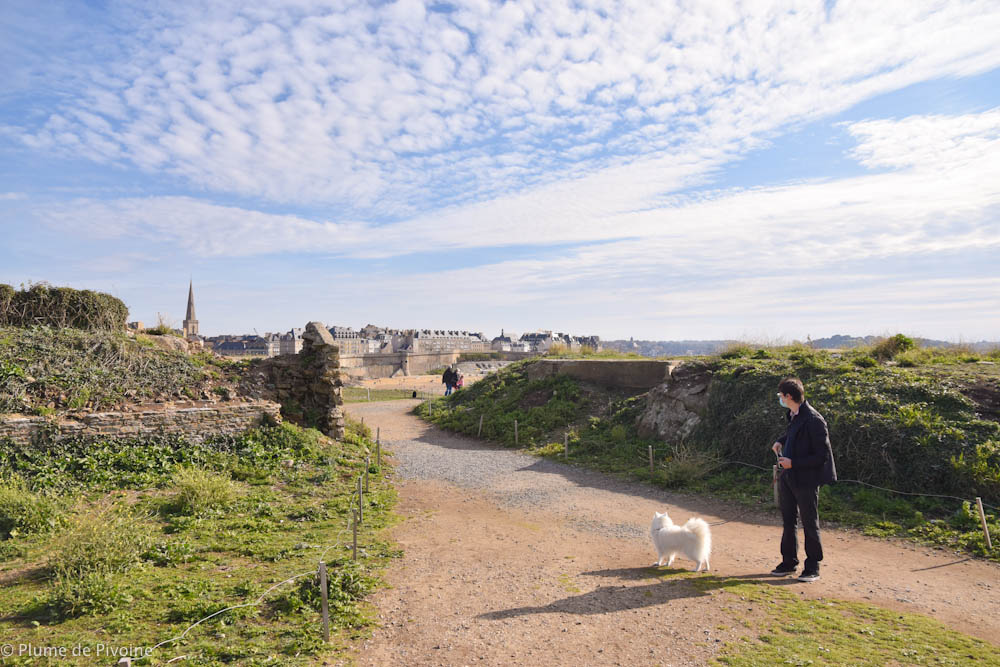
[805, 460]
[449, 378]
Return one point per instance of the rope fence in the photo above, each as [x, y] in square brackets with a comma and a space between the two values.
[650, 459]
[353, 520]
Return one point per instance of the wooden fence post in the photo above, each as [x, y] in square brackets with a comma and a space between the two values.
[479, 433]
[368, 464]
[515, 434]
[774, 483]
[650, 459]
[326, 606]
[369, 393]
[566, 445]
[355, 524]
[361, 502]
[982, 518]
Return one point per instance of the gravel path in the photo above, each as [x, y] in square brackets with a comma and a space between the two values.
[512, 559]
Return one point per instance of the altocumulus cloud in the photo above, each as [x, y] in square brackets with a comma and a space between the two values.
[940, 195]
[388, 111]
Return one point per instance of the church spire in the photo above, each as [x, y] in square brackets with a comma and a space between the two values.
[190, 322]
[190, 310]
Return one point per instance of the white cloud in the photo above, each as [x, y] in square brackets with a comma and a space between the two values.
[396, 109]
[944, 198]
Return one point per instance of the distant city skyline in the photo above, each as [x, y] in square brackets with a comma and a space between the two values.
[664, 171]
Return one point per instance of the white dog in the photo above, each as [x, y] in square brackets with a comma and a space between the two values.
[693, 539]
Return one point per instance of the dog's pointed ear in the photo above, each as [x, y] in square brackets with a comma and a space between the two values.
[658, 515]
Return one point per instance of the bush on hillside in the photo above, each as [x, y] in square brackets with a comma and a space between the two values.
[90, 555]
[200, 492]
[42, 304]
[23, 511]
[888, 348]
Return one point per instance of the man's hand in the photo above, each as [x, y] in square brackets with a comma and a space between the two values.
[785, 463]
[776, 448]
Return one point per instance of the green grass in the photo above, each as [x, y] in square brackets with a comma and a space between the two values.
[133, 566]
[797, 631]
[924, 430]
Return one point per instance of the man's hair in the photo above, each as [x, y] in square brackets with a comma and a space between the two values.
[792, 387]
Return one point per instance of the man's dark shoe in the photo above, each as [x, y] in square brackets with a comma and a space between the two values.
[783, 570]
[809, 576]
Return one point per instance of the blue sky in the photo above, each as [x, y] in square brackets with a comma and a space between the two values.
[674, 170]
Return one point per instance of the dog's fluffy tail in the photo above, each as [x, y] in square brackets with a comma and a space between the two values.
[704, 533]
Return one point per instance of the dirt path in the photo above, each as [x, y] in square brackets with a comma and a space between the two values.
[515, 560]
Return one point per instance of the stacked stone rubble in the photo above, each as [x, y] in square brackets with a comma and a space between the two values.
[195, 420]
[307, 384]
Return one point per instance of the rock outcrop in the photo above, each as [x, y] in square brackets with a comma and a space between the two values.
[168, 342]
[675, 407]
[307, 384]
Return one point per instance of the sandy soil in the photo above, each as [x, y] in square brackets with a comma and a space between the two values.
[563, 577]
[427, 384]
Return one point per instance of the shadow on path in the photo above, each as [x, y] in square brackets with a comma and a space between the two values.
[663, 590]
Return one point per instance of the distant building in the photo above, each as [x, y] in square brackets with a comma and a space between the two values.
[273, 344]
[542, 341]
[350, 341]
[249, 346]
[135, 326]
[432, 341]
[505, 343]
[291, 342]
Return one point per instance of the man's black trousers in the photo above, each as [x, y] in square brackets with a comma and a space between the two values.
[799, 502]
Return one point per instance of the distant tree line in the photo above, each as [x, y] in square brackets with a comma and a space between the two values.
[40, 304]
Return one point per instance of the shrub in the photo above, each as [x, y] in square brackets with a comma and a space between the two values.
[42, 304]
[888, 348]
[105, 538]
[88, 558]
[23, 511]
[200, 491]
[736, 351]
[87, 594]
[864, 361]
[685, 464]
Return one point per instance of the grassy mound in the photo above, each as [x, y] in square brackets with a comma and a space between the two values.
[44, 369]
[914, 428]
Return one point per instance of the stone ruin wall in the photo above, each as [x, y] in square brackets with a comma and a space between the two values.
[195, 420]
[307, 385]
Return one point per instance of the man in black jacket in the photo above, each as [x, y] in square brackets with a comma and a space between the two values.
[806, 462]
[449, 378]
